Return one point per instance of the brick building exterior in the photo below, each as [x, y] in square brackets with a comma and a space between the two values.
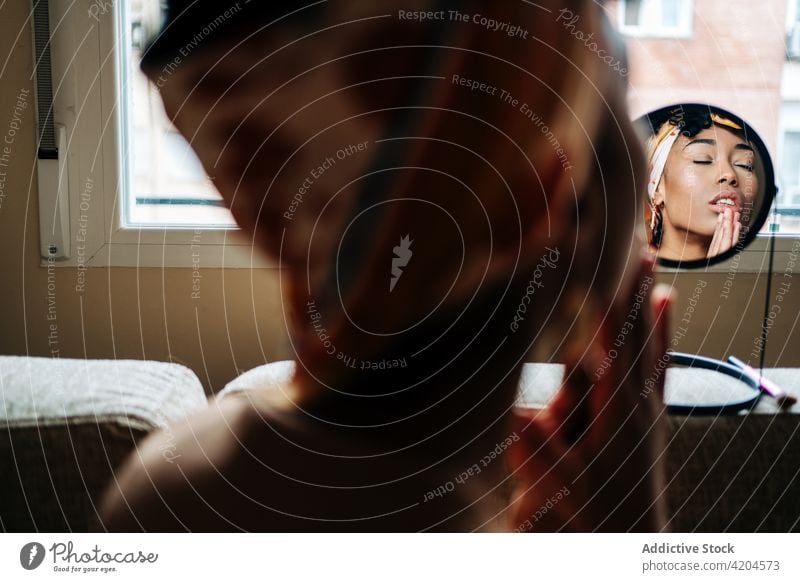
[730, 53]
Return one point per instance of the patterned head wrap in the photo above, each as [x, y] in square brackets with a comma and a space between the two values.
[659, 147]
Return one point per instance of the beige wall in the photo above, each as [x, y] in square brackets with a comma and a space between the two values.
[126, 312]
[237, 323]
[724, 317]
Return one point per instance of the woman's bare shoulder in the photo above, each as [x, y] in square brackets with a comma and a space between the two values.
[173, 480]
[255, 464]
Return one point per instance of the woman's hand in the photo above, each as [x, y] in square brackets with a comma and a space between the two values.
[593, 460]
[726, 235]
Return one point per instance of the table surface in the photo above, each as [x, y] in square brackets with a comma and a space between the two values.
[540, 382]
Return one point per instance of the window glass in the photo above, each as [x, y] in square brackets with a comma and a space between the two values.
[166, 183]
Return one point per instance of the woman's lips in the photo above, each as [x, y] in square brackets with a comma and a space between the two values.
[725, 200]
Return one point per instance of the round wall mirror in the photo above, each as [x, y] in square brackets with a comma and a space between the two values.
[710, 184]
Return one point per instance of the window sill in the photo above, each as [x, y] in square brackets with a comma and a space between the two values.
[755, 258]
[169, 248]
[228, 249]
[645, 34]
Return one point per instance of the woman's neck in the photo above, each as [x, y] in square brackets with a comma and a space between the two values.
[441, 417]
[453, 394]
[682, 245]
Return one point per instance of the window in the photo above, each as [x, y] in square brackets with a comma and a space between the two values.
[790, 168]
[793, 30]
[788, 171]
[656, 18]
[137, 195]
[787, 207]
[165, 182]
[153, 206]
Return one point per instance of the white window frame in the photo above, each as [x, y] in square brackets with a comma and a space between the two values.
[85, 69]
[653, 29]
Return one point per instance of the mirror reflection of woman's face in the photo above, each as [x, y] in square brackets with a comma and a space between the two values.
[707, 175]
